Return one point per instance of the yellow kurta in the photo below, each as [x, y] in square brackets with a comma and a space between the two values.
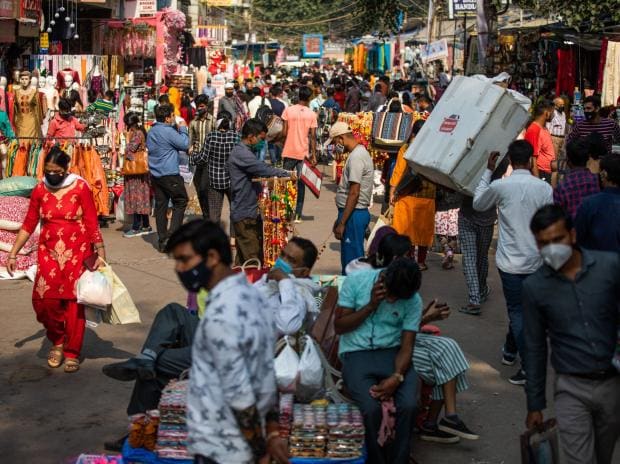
[414, 215]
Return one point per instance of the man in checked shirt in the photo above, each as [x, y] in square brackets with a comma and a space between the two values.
[578, 182]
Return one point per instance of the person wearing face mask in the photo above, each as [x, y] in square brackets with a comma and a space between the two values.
[517, 198]
[63, 204]
[288, 287]
[598, 218]
[540, 138]
[557, 125]
[228, 102]
[64, 125]
[608, 128]
[164, 141]
[243, 383]
[572, 301]
[201, 125]
[353, 194]
[243, 167]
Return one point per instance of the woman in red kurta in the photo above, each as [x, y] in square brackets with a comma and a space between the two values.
[64, 205]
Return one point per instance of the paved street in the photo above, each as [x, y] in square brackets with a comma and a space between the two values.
[49, 416]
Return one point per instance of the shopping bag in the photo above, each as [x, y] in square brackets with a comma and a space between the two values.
[252, 269]
[383, 220]
[286, 366]
[540, 446]
[123, 310]
[94, 289]
[312, 177]
[310, 367]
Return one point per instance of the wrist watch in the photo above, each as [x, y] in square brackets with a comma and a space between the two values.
[399, 376]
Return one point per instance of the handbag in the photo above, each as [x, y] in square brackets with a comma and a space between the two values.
[311, 177]
[137, 165]
[390, 131]
[275, 126]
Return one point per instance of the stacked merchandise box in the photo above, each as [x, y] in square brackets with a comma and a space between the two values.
[172, 433]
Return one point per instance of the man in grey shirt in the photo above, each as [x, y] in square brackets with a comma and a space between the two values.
[244, 166]
[228, 102]
[573, 301]
[353, 195]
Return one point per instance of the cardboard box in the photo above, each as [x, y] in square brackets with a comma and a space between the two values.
[473, 118]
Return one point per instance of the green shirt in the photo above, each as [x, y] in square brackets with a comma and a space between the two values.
[383, 328]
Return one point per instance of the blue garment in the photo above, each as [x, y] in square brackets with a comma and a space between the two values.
[164, 143]
[598, 221]
[209, 92]
[277, 106]
[512, 285]
[5, 126]
[352, 243]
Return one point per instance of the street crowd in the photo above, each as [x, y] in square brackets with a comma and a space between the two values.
[554, 198]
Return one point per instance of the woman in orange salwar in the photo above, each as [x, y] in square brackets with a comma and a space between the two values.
[414, 214]
[69, 234]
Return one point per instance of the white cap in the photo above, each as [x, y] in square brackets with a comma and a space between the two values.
[229, 85]
[339, 128]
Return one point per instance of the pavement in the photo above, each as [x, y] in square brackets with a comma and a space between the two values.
[51, 417]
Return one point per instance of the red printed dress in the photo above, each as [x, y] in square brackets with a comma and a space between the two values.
[69, 228]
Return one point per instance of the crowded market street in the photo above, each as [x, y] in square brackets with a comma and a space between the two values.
[90, 408]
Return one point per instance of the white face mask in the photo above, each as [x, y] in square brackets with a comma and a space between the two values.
[555, 255]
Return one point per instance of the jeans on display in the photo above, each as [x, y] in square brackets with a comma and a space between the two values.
[513, 289]
[170, 337]
[289, 165]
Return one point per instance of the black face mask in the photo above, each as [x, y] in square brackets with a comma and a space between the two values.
[201, 112]
[65, 116]
[196, 277]
[589, 115]
[54, 179]
[560, 109]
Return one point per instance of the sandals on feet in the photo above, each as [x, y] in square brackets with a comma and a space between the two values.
[55, 357]
[423, 267]
[72, 365]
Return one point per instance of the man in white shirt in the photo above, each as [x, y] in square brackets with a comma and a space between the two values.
[517, 197]
[256, 102]
[288, 287]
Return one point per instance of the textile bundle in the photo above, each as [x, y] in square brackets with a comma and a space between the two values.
[12, 213]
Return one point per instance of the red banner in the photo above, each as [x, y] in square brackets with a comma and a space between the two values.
[30, 9]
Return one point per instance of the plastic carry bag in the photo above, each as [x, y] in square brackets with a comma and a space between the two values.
[383, 220]
[123, 309]
[310, 368]
[94, 289]
[119, 211]
[541, 446]
[286, 366]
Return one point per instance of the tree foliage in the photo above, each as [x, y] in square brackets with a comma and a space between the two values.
[589, 15]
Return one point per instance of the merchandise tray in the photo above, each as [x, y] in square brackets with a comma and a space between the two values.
[142, 456]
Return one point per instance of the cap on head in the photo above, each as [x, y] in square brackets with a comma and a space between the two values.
[229, 85]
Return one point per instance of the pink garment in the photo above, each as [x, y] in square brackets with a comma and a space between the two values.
[300, 120]
[387, 430]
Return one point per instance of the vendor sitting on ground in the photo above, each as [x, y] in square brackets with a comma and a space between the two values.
[166, 352]
[288, 286]
[378, 316]
[439, 361]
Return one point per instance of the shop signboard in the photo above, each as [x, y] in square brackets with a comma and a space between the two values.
[434, 51]
[6, 9]
[44, 43]
[312, 46]
[30, 9]
[461, 7]
[147, 8]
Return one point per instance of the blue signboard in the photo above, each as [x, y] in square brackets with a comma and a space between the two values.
[312, 46]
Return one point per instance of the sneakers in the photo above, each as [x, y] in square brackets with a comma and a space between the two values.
[131, 370]
[471, 310]
[297, 219]
[508, 359]
[457, 428]
[132, 233]
[437, 436]
[137, 233]
[518, 378]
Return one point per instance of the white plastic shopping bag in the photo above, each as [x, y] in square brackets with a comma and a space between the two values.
[94, 289]
[286, 366]
[123, 310]
[310, 368]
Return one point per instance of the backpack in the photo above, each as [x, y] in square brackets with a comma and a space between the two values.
[264, 112]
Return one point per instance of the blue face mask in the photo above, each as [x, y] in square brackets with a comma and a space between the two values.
[283, 266]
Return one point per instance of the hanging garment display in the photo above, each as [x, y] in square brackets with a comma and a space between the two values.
[565, 83]
[611, 79]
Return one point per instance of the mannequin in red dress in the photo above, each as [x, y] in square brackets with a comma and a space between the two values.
[69, 234]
